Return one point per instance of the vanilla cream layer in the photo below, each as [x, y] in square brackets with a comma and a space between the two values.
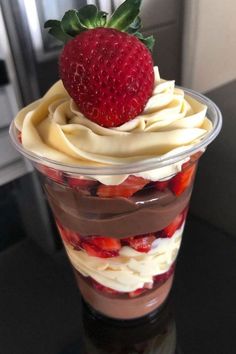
[53, 127]
[131, 269]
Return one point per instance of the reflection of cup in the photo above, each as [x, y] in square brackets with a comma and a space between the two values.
[154, 335]
[123, 240]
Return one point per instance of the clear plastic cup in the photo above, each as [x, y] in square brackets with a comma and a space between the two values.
[123, 241]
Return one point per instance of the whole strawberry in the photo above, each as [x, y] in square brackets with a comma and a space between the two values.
[108, 72]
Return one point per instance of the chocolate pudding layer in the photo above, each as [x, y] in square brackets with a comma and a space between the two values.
[147, 211]
[125, 309]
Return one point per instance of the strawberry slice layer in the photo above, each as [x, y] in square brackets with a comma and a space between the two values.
[106, 243]
[103, 247]
[95, 251]
[80, 183]
[137, 292]
[180, 182]
[104, 289]
[140, 243]
[69, 236]
[19, 136]
[53, 174]
[196, 156]
[169, 230]
[165, 276]
[126, 189]
[161, 185]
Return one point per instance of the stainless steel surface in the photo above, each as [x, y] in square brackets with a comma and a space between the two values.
[21, 46]
[36, 52]
[37, 13]
[12, 165]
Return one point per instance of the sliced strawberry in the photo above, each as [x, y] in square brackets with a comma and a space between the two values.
[72, 237]
[169, 230]
[182, 180]
[126, 189]
[80, 183]
[104, 289]
[164, 276]
[161, 185]
[19, 136]
[56, 175]
[95, 251]
[105, 243]
[137, 292]
[161, 277]
[196, 156]
[140, 243]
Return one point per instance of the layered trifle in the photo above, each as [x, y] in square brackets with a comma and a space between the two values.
[117, 149]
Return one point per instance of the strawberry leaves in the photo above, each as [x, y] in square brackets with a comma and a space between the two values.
[101, 18]
[124, 15]
[147, 41]
[125, 19]
[88, 16]
[75, 21]
[135, 26]
[71, 23]
[57, 31]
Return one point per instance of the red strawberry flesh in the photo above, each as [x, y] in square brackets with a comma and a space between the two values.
[140, 243]
[180, 182]
[72, 237]
[169, 230]
[103, 247]
[80, 183]
[104, 289]
[137, 292]
[126, 189]
[109, 74]
[196, 156]
[95, 251]
[161, 185]
[52, 173]
[105, 243]
[19, 136]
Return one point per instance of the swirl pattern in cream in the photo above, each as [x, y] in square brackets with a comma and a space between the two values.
[131, 269]
[53, 127]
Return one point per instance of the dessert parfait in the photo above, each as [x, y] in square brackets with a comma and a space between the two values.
[117, 149]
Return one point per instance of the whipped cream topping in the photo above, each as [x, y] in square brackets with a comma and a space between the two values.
[131, 269]
[53, 127]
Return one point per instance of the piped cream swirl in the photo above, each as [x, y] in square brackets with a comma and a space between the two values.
[53, 127]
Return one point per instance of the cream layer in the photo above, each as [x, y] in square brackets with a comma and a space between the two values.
[171, 122]
[131, 269]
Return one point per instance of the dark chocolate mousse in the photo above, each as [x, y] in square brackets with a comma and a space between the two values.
[148, 211]
[124, 308]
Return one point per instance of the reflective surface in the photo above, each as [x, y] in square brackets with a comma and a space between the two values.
[155, 334]
[41, 310]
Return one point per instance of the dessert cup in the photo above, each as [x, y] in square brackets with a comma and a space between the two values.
[123, 240]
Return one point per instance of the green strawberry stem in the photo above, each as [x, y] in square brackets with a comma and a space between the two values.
[125, 19]
[124, 16]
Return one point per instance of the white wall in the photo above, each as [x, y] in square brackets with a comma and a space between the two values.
[209, 49]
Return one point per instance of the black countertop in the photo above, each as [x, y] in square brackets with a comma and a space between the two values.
[41, 310]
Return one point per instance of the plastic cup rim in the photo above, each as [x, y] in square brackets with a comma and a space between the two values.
[135, 167]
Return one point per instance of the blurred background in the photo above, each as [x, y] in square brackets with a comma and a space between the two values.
[195, 45]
